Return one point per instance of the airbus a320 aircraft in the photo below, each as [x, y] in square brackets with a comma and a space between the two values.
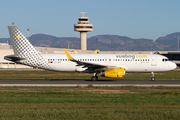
[108, 65]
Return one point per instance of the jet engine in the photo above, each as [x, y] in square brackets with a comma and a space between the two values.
[114, 73]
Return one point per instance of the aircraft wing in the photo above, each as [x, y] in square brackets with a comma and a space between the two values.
[86, 64]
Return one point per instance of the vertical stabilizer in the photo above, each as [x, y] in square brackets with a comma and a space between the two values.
[24, 50]
[21, 46]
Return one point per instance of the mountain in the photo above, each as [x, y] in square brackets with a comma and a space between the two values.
[169, 42]
[106, 42]
[120, 43]
[51, 41]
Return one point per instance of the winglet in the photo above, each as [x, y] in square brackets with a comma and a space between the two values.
[67, 54]
[95, 51]
[74, 51]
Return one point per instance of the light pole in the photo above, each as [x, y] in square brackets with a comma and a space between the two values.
[151, 44]
[68, 44]
[27, 34]
[72, 44]
[178, 42]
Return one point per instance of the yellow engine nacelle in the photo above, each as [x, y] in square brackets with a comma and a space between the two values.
[114, 73]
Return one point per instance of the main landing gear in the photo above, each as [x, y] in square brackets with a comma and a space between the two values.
[95, 77]
[152, 76]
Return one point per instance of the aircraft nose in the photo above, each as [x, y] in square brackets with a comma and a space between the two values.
[173, 66]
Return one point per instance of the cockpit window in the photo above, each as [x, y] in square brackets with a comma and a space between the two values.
[165, 59]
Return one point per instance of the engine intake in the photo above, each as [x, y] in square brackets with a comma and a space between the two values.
[114, 73]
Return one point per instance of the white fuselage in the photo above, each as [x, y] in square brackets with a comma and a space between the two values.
[131, 62]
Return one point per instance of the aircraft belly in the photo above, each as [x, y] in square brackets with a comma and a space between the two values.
[63, 67]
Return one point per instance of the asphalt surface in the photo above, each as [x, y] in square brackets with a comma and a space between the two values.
[71, 82]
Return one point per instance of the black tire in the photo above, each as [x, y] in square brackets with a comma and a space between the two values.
[153, 79]
[94, 78]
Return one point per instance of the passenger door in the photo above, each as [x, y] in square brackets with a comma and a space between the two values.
[153, 60]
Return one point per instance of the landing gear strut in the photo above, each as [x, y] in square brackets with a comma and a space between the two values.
[152, 76]
[95, 77]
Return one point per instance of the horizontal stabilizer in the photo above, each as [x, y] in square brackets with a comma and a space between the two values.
[13, 58]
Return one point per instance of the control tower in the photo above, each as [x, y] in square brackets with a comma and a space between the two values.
[83, 27]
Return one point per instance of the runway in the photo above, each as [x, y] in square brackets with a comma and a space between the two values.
[86, 82]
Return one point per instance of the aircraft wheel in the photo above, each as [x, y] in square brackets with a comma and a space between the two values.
[152, 76]
[152, 79]
[94, 78]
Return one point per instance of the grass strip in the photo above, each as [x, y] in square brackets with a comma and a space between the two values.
[127, 102]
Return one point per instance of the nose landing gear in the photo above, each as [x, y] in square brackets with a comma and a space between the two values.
[152, 76]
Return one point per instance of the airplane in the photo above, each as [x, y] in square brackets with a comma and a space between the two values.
[108, 65]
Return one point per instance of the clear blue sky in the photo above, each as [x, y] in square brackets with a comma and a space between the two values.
[133, 18]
